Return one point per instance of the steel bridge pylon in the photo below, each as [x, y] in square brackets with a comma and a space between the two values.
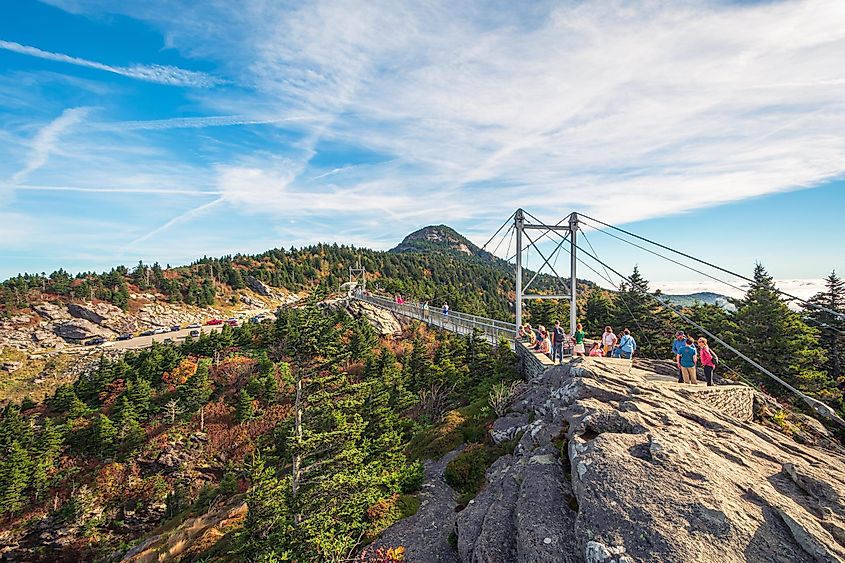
[522, 229]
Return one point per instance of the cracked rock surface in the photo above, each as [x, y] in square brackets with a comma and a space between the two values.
[613, 466]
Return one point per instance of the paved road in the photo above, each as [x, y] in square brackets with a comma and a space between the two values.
[145, 341]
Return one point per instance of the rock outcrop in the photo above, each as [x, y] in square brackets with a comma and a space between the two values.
[384, 321]
[97, 313]
[614, 465]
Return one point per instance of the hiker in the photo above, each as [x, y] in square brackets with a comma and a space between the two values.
[546, 344]
[626, 347]
[608, 340]
[677, 344]
[531, 334]
[686, 358]
[558, 335]
[567, 342]
[445, 309]
[579, 341]
[426, 312]
[541, 339]
[708, 360]
[596, 350]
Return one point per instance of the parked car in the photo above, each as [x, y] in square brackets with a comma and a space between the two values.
[174, 328]
[193, 325]
[160, 331]
[127, 336]
[214, 322]
[232, 322]
[95, 341]
[148, 333]
[194, 333]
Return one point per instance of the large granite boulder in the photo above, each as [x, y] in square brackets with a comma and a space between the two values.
[80, 329]
[614, 465]
[94, 312]
[51, 311]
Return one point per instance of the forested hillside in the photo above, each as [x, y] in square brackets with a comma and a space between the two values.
[174, 432]
[470, 283]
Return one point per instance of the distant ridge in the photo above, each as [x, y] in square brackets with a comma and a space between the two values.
[704, 297]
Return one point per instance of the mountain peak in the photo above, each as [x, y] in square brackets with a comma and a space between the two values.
[439, 238]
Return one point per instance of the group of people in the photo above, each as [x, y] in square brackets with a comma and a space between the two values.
[559, 342]
[687, 356]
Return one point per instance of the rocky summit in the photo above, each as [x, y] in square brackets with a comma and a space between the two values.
[616, 464]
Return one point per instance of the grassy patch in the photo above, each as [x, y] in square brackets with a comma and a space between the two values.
[466, 473]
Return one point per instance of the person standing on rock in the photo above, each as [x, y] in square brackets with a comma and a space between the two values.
[708, 360]
[608, 340]
[558, 335]
[677, 344]
[579, 341]
[687, 358]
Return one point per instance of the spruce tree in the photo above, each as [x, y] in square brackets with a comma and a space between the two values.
[197, 390]
[14, 478]
[129, 432]
[650, 323]
[598, 312]
[831, 326]
[104, 435]
[244, 410]
[768, 331]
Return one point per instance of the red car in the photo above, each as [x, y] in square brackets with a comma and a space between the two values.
[215, 322]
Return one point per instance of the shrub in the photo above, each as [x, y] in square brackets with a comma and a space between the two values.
[411, 477]
[466, 472]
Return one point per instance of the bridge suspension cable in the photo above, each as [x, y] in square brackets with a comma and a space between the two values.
[818, 406]
[687, 266]
[807, 303]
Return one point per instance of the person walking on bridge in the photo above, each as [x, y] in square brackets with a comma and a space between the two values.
[608, 340]
[677, 344]
[426, 312]
[445, 309]
[558, 336]
[687, 357]
[708, 360]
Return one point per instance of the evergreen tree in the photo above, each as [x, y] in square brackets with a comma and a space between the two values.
[650, 322]
[831, 326]
[129, 432]
[105, 434]
[244, 410]
[14, 478]
[598, 312]
[768, 331]
[197, 389]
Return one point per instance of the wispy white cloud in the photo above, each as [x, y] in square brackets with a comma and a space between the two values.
[195, 122]
[181, 218]
[112, 190]
[44, 142]
[162, 74]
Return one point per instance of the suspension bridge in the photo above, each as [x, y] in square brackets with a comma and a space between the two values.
[528, 232]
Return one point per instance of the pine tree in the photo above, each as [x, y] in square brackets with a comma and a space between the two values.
[197, 389]
[650, 322]
[104, 435]
[244, 410]
[598, 312]
[765, 328]
[129, 432]
[14, 478]
[831, 326]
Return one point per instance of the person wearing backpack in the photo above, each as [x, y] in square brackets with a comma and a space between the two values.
[686, 358]
[558, 336]
[709, 359]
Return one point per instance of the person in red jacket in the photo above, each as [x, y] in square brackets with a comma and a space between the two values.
[708, 360]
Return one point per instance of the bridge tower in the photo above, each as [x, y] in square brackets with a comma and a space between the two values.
[522, 229]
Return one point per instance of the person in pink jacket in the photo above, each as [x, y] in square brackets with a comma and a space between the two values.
[708, 360]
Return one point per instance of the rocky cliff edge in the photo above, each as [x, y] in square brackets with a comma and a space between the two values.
[614, 466]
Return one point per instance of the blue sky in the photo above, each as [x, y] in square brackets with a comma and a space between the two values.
[168, 130]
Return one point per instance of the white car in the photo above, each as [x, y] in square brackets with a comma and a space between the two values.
[160, 331]
[193, 325]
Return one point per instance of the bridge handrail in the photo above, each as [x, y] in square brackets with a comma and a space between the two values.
[492, 327]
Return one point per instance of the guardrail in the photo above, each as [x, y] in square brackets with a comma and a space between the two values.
[454, 321]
